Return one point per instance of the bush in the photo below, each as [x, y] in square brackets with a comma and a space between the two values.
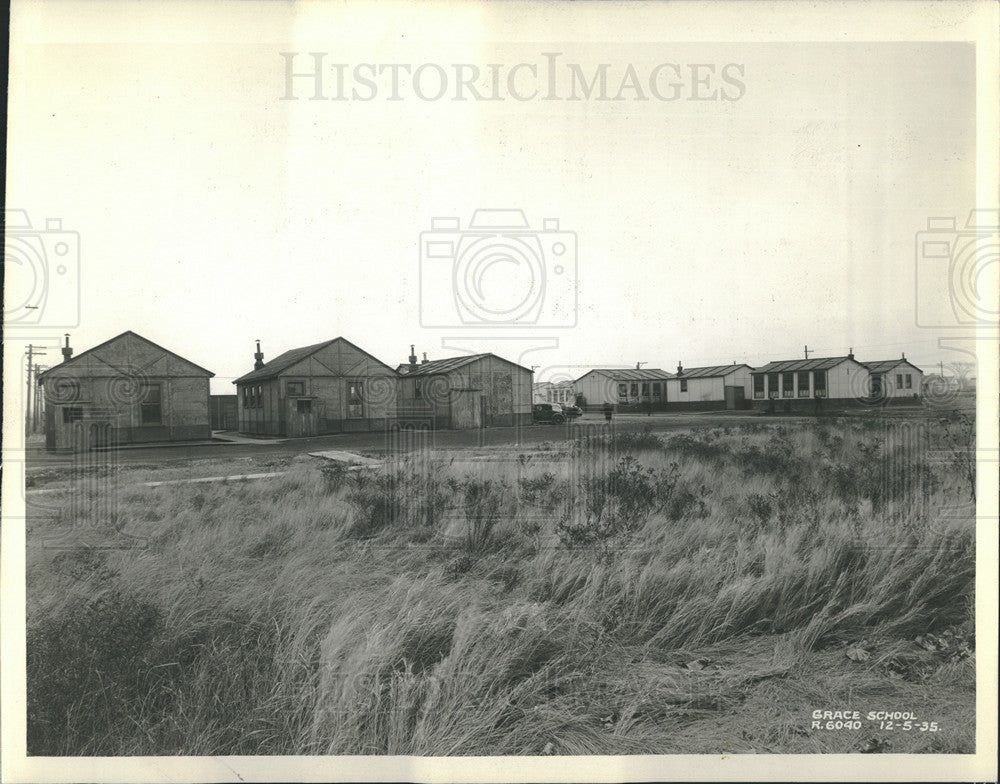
[87, 665]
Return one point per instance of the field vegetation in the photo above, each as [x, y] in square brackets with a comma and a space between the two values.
[698, 592]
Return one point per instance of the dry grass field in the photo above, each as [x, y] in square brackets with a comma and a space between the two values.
[700, 592]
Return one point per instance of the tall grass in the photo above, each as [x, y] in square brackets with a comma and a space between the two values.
[442, 606]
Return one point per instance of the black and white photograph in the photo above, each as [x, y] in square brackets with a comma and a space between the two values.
[500, 391]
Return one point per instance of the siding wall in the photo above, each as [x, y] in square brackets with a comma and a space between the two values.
[109, 379]
[325, 376]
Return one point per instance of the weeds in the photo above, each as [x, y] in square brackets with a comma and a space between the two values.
[419, 609]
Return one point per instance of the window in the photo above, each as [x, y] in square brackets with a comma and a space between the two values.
[899, 381]
[656, 389]
[876, 385]
[418, 393]
[66, 390]
[260, 398]
[623, 390]
[295, 388]
[788, 385]
[634, 389]
[71, 414]
[355, 400]
[150, 410]
[758, 386]
[684, 385]
[304, 406]
[804, 383]
[909, 381]
[819, 383]
[772, 384]
[645, 389]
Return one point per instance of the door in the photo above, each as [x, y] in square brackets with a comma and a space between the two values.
[466, 409]
[301, 417]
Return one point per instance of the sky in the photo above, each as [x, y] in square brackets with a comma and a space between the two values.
[781, 211]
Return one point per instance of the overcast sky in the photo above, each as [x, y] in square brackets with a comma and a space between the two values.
[782, 212]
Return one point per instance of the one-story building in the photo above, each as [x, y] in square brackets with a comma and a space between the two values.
[808, 384]
[895, 380]
[563, 392]
[708, 388]
[472, 391]
[329, 387]
[623, 388]
[126, 390]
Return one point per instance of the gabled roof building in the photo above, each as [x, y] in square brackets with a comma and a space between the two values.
[471, 391]
[708, 388]
[126, 390]
[623, 388]
[323, 388]
[793, 384]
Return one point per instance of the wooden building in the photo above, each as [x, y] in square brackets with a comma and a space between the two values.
[624, 388]
[126, 390]
[707, 388]
[329, 387]
[895, 380]
[797, 384]
[473, 391]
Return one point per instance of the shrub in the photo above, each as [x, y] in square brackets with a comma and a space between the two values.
[86, 667]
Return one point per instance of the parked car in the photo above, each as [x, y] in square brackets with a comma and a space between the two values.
[548, 412]
[572, 412]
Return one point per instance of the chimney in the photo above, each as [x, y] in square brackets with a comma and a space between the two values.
[258, 358]
[67, 352]
[424, 362]
[680, 369]
[903, 354]
[413, 358]
[850, 353]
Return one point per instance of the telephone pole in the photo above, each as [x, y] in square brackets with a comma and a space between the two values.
[33, 351]
[807, 350]
[39, 400]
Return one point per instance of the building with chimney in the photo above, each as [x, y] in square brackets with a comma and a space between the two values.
[637, 389]
[895, 380]
[126, 390]
[472, 391]
[709, 388]
[329, 387]
[811, 384]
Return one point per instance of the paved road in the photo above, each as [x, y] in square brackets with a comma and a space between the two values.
[379, 441]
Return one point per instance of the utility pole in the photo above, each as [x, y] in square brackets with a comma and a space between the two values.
[807, 350]
[33, 351]
[38, 400]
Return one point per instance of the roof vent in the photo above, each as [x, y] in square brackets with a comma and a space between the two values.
[67, 352]
[680, 369]
[258, 358]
